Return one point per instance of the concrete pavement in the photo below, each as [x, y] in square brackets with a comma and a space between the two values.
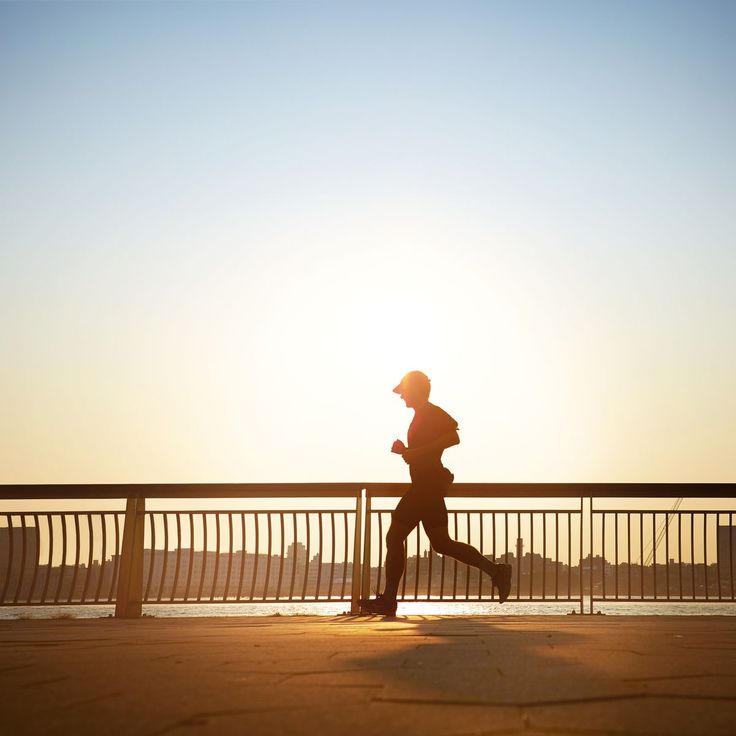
[349, 675]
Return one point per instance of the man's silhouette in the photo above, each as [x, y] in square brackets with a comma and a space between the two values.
[431, 431]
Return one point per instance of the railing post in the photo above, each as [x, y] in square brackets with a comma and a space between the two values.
[366, 585]
[580, 557]
[129, 597]
[591, 553]
[355, 590]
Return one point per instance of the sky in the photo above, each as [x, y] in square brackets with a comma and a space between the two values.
[228, 229]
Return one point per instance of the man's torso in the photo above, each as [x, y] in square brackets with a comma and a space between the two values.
[429, 424]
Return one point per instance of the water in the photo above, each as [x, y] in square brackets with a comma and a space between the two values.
[407, 609]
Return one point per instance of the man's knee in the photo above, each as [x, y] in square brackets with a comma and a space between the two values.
[396, 535]
[441, 544]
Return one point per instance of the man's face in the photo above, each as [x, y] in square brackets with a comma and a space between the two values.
[413, 395]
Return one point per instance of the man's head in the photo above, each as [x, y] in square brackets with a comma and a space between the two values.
[414, 389]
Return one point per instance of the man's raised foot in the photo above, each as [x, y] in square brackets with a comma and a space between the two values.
[501, 579]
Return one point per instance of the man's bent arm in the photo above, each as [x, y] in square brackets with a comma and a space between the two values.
[441, 443]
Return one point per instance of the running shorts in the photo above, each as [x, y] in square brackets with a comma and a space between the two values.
[425, 502]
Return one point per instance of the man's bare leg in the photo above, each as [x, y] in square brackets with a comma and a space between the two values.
[395, 538]
[443, 544]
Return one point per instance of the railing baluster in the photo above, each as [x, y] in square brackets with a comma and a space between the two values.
[356, 587]
[379, 514]
[480, 572]
[89, 557]
[692, 550]
[151, 555]
[454, 570]
[667, 553]
[544, 555]
[103, 555]
[37, 561]
[569, 554]
[517, 555]
[9, 565]
[603, 516]
[590, 526]
[307, 517]
[416, 567]
[213, 590]
[442, 575]
[294, 559]
[226, 592]
[281, 558]
[346, 562]
[705, 552]
[319, 553]
[49, 527]
[467, 567]
[557, 554]
[730, 551]
[62, 567]
[429, 570]
[22, 568]
[164, 556]
[580, 557]
[641, 550]
[268, 555]
[190, 561]
[256, 558]
[628, 552]
[365, 569]
[615, 541]
[205, 552]
[243, 556]
[654, 552]
[531, 555]
[116, 565]
[11, 535]
[493, 536]
[679, 550]
[406, 568]
[77, 550]
[332, 555]
[718, 557]
[177, 562]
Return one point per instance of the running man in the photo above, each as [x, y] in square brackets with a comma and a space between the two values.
[431, 432]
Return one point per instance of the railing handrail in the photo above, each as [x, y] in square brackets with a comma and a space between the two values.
[568, 490]
[181, 490]
[373, 490]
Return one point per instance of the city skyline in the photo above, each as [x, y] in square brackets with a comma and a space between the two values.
[208, 575]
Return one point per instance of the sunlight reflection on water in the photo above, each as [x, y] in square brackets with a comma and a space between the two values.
[406, 609]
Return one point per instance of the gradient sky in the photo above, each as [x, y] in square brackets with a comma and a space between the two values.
[226, 231]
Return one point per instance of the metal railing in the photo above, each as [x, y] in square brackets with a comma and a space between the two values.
[573, 552]
[655, 555]
[498, 534]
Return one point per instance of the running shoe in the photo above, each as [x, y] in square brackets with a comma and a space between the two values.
[502, 580]
[378, 606]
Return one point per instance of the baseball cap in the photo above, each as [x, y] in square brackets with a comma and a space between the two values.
[416, 378]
